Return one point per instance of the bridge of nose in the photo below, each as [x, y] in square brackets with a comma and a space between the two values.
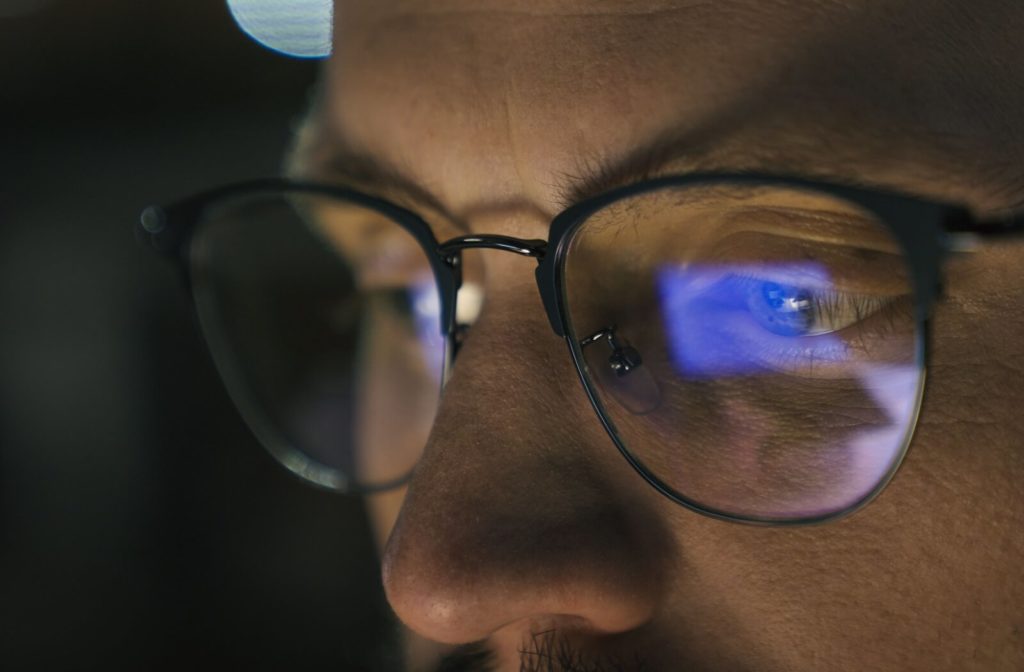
[535, 248]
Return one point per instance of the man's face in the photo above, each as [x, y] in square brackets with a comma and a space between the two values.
[522, 518]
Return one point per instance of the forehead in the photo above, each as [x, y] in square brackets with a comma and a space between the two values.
[491, 103]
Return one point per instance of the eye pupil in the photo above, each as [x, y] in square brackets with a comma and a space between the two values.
[789, 309]
[785, 299]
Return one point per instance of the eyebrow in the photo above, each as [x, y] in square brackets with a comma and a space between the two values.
[594, 175]
[673, 151]
[598, 175]
[366, 171]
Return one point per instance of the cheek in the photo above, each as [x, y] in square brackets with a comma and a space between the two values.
[971, 430]
[930, 568]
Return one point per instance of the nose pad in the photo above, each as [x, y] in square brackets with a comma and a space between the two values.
[621, 372]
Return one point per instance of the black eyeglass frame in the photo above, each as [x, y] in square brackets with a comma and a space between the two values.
[928, 232]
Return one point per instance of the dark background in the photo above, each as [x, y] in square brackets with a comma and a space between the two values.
[140, 523]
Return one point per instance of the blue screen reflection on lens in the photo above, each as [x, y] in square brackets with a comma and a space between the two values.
[742, 319]
[426, 309]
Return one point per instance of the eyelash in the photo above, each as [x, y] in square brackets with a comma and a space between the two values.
[724, 328]
[828, 307]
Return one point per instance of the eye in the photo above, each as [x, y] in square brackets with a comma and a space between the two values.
[782, 309]
[783, 318]
[408, 318]
[794, 311]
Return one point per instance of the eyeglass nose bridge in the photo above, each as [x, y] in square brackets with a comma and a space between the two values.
[528, 248]
[451, 250]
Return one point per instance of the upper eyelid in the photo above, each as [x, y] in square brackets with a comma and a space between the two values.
[650, 163]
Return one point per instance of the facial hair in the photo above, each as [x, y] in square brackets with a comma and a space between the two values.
[541, 652]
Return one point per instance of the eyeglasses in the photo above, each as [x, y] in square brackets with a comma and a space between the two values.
[755, 346]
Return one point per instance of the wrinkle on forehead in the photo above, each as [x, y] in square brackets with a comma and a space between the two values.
[482, 89]
[483, 107]
[546, 8]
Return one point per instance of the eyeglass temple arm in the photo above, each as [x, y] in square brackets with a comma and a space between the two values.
[963, 222]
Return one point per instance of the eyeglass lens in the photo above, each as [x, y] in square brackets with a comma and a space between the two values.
[324, 319]
[754, 348]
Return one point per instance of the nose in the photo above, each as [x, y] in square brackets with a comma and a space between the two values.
[521, 511]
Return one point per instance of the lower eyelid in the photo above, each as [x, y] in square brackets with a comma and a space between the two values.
[832, 355]
[778, 352]
[848, 348]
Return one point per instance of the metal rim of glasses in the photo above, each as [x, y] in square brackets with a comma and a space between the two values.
[927, 231]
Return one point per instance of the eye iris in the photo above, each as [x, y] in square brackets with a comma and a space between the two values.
[784, 309]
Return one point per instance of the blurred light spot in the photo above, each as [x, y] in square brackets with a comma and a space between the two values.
[893, 389]
[299, 28]
[468, 303]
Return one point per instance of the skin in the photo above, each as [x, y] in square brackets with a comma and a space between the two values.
[521, 515]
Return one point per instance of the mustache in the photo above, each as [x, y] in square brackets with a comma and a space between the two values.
[545, 651]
